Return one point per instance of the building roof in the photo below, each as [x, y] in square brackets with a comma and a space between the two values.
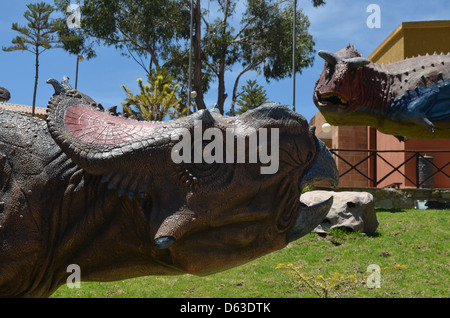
[430, 29]
[25, 109]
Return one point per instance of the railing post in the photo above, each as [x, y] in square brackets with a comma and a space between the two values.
[417, 170]
[375, 176]
[376, 153]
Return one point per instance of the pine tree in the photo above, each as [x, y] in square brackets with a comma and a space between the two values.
[252, 96]
[39, 35]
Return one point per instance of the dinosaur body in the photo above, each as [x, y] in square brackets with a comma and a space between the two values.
[408, 98]
[102, 192]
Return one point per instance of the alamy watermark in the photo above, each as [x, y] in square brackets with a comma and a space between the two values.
[74, 19]
[74, 279]
[256, 150]
[374, 278]
[374, 19]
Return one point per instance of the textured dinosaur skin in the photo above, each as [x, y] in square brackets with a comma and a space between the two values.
[408, 98]
[5, 95]
[89, 188]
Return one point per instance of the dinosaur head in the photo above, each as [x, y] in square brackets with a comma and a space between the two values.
[216, 191]
[338, 90]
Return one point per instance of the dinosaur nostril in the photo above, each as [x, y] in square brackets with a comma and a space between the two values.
[164, 242]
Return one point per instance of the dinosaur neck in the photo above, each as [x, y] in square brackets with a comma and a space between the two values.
[95, 235]
[376, 89]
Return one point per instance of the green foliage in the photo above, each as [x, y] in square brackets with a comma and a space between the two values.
[155, 100]
[320, 285]
[267, 39]
[39, 35]
[309, 187]
[39, 32]
[252, 96]
[138, 28]
[73, 41]
[159, 31]
[332, 285]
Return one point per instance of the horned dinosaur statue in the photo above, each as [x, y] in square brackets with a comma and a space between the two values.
[5, 95]
[408, 98]
[103, 192]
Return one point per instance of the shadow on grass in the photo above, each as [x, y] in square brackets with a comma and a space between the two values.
[339, 235]
[393, 210]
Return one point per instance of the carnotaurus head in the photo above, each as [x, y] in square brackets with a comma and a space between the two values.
[207, 215]
[338, 88]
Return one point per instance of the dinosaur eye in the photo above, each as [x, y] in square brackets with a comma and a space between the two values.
[207, 173]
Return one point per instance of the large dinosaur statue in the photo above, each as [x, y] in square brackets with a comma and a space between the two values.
[408, 98]
[105, 193]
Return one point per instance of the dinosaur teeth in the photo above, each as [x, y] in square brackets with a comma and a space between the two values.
[332, 95]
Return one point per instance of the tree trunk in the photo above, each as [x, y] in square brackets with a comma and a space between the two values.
[236, 83]
[234, 96]
[198, 57]
[221, 96]
[35, 79]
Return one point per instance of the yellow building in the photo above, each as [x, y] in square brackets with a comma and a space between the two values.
[410, 39]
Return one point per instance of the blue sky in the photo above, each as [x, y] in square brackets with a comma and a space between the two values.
[333, 26]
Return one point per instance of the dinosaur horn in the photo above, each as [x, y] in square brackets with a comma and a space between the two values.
[205, 116]
[330, 57]
[57, 86]
[356, 62]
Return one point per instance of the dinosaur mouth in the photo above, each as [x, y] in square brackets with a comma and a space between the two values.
[331, 99]
[296, 223]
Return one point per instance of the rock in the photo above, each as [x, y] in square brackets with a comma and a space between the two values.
[352, 210]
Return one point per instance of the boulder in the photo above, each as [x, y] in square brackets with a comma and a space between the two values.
[352, 210]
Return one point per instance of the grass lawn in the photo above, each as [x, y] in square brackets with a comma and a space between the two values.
[411, 248]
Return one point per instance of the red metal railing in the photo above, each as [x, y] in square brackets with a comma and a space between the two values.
[375, 155]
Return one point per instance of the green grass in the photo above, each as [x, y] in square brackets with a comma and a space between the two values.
[417, 239]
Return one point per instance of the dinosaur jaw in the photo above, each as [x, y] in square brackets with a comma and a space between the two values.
[226, 234]
[331, 101]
